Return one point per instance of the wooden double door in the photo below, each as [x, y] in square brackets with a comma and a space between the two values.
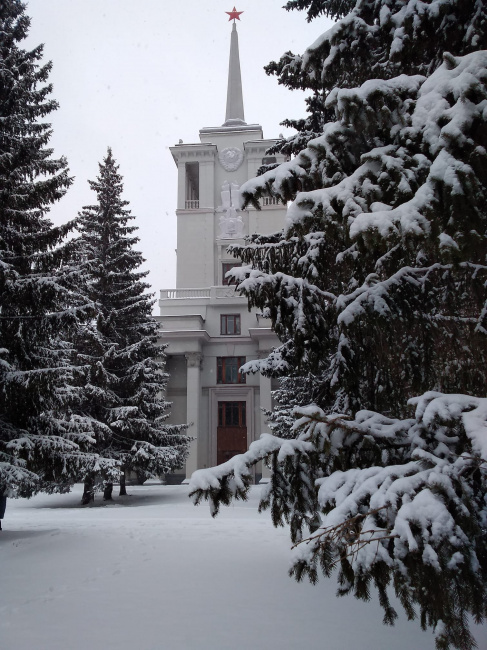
[231, 430]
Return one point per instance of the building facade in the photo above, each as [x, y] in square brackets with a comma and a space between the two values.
[206, 325]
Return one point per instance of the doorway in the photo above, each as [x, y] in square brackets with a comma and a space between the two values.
[231, 430]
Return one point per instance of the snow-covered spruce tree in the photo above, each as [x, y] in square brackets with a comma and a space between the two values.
[293, 392]
[373, 39]
[126, 366]
[43, 444]
[377, 287]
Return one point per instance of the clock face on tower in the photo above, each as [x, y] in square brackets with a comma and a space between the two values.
[230, 158]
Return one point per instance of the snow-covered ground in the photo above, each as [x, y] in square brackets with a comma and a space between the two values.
[152, 572]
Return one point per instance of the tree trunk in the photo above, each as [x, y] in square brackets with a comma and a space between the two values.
[107, 492]
[123, 490]
[89, 491]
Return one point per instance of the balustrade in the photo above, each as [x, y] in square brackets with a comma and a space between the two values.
[176, 294]
[205, 292]
[270, 200]
[192, 204]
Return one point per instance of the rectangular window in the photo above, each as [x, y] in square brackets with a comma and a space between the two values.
[227, 370]
[230, 324]
[227, 266]
[232, 414]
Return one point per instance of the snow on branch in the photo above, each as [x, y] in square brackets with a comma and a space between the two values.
[447, 106]
[232, 479]
[417, 516]
[373, 514]
[426, 505]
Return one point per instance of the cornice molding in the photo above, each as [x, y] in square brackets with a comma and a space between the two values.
[194, 154]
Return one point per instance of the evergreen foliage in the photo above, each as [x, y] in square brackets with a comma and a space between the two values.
[43, 443]
[377, 285]
[377, 291]
[331, 8]
[380, 502]
[293, 392]
[374, 39]
[126, 378]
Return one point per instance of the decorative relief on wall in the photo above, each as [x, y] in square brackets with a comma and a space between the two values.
[231, 224]
[225, 292]
[193, 359]
[230, 158]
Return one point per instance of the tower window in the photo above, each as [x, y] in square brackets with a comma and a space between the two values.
[230, 324]
[192, 186]
[227, 370]
[269, 160]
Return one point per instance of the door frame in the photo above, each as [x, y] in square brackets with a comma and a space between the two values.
[231, 436]
[229, 393]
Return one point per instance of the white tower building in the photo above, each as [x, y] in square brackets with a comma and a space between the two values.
[207, 326]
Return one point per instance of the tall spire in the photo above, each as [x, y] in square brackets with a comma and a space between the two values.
[235, 109]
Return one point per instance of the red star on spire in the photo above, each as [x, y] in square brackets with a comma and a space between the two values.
[234, 14]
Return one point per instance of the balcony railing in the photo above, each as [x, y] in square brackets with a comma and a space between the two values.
[192, 204]
[228, 291]
[206, 292]
[175, 294]
[270, 200]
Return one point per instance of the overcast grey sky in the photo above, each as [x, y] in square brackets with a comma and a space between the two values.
[138, 76]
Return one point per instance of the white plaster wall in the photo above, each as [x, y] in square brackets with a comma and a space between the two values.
[195, 263]
[176, 390]
[267, 221]
[176, 367]
[178, 407]
[206, 183]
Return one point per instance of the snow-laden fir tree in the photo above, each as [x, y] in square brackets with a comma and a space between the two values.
[43, 443]
[126, 378]
[377, 289]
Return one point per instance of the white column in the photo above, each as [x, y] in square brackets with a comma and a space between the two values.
[181, 185]
[193, 399]
[207, 183]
